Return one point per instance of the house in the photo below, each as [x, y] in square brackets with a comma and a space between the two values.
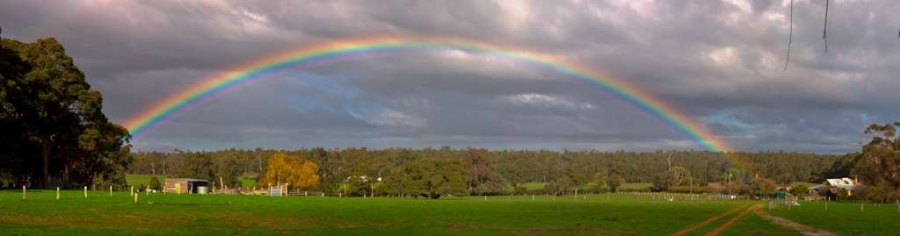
[185, 185]
[832, 186]
[844, 183]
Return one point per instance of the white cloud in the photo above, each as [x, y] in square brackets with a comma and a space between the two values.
[545, 101]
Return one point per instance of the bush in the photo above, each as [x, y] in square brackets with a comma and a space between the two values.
[155, 184]
[536, 192]
[716, 187]
[519, 190]
[763, 187]
[799, 190]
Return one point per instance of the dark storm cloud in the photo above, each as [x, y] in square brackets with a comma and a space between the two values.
[719, 61]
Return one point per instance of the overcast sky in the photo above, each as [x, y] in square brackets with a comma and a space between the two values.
[721, 62]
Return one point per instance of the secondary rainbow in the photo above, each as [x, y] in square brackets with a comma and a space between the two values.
[211, 87]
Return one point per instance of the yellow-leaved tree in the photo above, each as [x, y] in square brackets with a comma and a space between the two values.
[292, 170]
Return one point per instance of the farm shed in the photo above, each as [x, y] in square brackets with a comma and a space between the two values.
[185, 185]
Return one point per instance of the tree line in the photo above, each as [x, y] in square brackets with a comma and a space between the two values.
[430, 172]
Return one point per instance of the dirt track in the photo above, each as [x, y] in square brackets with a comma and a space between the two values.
[707, 221]
[757, 209]
[804, 229]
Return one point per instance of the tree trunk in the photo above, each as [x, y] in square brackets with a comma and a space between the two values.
[45, 152]
[65, 176]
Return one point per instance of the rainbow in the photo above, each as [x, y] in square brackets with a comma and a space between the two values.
[211, 87]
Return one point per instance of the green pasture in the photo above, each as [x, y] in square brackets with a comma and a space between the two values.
[100, 213]
[613, 214]
[845, 218]
[138, 180]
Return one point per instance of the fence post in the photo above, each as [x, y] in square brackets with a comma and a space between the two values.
[24, 193]
[57, 193]
[85, 192]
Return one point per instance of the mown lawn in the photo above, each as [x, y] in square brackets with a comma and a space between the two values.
[845, 218]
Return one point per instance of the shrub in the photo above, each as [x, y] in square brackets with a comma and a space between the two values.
[155, 184]
[519, 190]
[799, 190]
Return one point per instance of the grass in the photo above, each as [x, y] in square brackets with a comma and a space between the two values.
[755, 225]
[214, 214]
[138, 180]
[636, 186]
[845, 218]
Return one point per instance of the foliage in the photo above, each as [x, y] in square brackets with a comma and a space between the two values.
[292, 170]
[879, 162]
[198, 166]
[600, 182]
[229, 172]
[55, 133]
[674, 176]
[481, 179]
[360, 185]
[762, 187]
[155, 184]
[799, 190]
[513, 168]
[615, 176]
[429, 178]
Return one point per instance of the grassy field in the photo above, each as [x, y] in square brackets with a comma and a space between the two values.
[845, 218]
[753, 225]
[138, 180]
[209, 214]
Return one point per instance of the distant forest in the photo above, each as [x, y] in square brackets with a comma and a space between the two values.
[490, 172]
